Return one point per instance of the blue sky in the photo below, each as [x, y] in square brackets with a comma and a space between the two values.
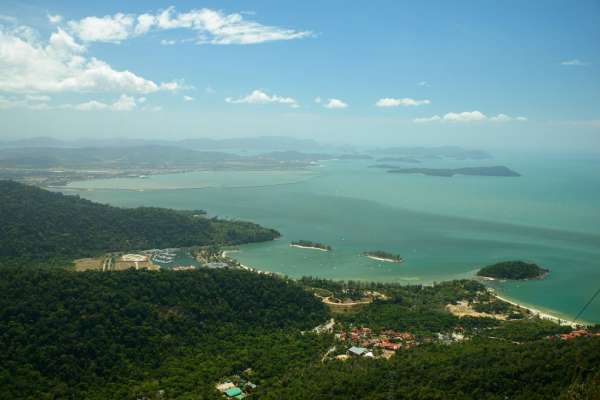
[480, 74]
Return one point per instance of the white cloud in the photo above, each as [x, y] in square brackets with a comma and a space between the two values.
[144, 23]
[465, 116]
[335, 104]
[574, 63]
[55, 19]
[37, 98]
[212, 26]
[406, 102]
[92, 105]
[423, 83]
[141, 100]
[29, 102]
[260, 97]
[188, 98]
[318, 100]
[506, 118]
[427, 119]
[469, 116]
[123, 103]
[28, 64]
[165, 42]
[112, 29]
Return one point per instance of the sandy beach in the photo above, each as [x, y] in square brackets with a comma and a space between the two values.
[542, 314]
[383, 259]
[307, 247]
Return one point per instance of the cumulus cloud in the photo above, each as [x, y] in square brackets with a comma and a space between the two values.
[574, 63]
[406, 102]
[123, 103]
[506, 118]
[37, 98]
[30, 102]
[335, 104]
[28, 64]
[260, 97]
[188, 98]
[55, 19]
[427, 119]
[468, 116]
[110, 28]
[212, 26]
[92, 105]
[145, 22]
[465, 116]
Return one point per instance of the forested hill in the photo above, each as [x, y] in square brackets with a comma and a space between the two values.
[42, 226]
[116, 335]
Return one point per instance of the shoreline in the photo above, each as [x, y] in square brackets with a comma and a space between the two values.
[534, 311]
[541, 314]
[308, 247]
[384, 259]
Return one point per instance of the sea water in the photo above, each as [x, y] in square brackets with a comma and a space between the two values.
[444, 228]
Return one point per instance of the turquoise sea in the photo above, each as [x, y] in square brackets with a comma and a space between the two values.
[444, 228]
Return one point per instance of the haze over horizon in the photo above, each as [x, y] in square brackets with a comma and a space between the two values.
[505, 76]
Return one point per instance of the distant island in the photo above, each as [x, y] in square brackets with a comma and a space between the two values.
[354, 157]
[306, 244]
[384, 166]
[499, 170]
[433, 153]
[383, 256]
[399, 159]
[516, 270]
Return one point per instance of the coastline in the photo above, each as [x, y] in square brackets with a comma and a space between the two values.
[308, 247]
[384, 259]
[248, 268]
[540, 314]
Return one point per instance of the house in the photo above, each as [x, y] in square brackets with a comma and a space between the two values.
[357, 351]
[389, 345]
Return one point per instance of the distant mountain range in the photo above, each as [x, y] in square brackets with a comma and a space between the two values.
[454, 152]
[261, 143]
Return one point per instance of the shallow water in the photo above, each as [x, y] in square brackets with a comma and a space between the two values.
[444, 228]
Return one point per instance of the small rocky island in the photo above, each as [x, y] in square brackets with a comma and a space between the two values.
[514, 270]
[306, 244]
[498, 170]
[383, 256]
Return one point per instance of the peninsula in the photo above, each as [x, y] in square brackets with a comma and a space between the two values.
[383, 256]
[498, 170]
[514, 270]
[306, 244]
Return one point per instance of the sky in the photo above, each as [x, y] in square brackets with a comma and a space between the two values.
[509, 74]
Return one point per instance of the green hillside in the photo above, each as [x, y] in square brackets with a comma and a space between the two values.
[41, 226]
